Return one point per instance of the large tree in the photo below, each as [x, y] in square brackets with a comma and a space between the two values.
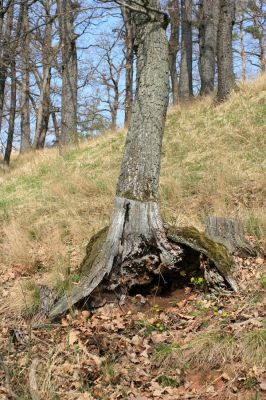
[134, 250]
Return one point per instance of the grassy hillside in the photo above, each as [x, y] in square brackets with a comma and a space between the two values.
[150, 347]
[213, 162]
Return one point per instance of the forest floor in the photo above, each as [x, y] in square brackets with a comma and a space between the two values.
[187, 344]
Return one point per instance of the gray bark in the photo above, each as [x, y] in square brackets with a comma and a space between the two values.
[68, 133]
[25, 144]
[174, 12]
[185, 79]
[44, 103]
[226, 78]
[208, 25]
[12, 114]
[129, 53]
[229, 232]
[5, 57]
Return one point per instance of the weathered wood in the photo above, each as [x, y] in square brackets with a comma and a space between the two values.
[217, 253]
[136, 227]
[229, 232]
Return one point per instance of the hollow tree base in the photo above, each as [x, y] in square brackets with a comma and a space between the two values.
[136, 254]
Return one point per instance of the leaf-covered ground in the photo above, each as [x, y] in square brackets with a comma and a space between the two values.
[190, 344]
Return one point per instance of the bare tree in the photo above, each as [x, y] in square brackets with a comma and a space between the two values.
[226, 78]
[5, 56]
[208, 23]
[44, 102]
[25, 144]
[129, 58]
[12, 113]
[174, 13]
[67, 12]
[185, 79]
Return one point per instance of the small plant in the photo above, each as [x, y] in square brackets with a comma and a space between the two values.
[165, 380]
[197, 282]
[157, 308]
[160, 327]
[250, 382]
[262, 281]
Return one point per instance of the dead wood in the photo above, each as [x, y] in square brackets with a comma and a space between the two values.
[229, 232]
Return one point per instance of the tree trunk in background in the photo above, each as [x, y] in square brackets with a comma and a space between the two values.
[44, 104]
[25, 144]
[226, 78]
[129, 56]
[208, 24]
[242, 47]
[136, 223]
[68, 133]
[185, 79]
[261, 39]
[12, 114]
[56, 127]
[5, 57]
[174, 12]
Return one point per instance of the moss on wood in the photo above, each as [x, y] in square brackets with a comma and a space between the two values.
[216, 252]
[93, 249]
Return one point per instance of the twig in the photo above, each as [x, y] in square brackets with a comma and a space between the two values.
[32, 380]
[7, 376]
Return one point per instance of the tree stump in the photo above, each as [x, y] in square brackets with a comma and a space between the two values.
[229, 232]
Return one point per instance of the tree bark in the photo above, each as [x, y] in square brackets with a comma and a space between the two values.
[5, 57]
[25, 144]
[174, 13]
[226, 78]
[243, 54]
[68, 134]
[12, 114]
[129, 55]
[185, 79]
[208, 22]
[44, 104]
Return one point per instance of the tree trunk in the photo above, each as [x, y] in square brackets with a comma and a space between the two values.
[44, 105]
[25, 144]
[12, 114]
[243, 55]
[68, 134]
[208, 22]
[226, 78]
[174, 13]
[5, 57]
[185, 79]
[129, 44]
[229, 232]
[135, 251]
[136, 220]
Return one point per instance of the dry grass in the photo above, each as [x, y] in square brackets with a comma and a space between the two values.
[213, 349]
[213, 162]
